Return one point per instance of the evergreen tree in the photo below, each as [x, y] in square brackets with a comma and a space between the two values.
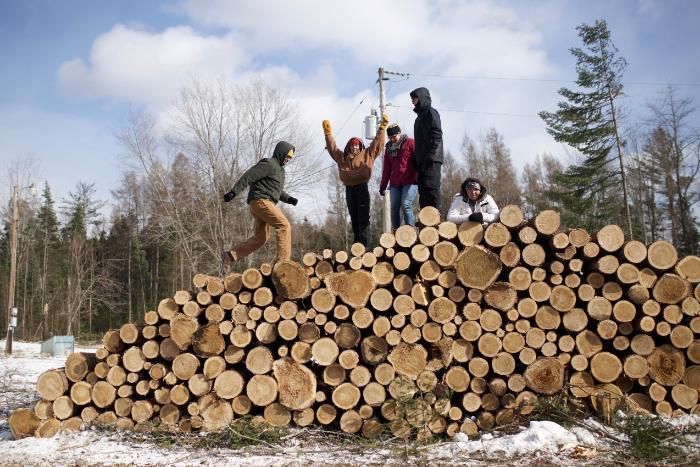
[588, 120]
[47, 243]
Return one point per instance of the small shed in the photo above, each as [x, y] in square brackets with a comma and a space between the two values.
[58, 346]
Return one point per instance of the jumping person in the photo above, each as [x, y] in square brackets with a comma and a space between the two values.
[266, 181]
[355, 169]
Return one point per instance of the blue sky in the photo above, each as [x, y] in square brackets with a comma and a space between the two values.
[71, 70]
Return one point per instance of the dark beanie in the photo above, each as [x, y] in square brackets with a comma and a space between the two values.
[393, 129]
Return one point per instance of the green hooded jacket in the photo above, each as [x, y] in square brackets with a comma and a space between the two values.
[266, 178]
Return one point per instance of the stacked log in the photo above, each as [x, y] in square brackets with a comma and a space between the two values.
[439, 329]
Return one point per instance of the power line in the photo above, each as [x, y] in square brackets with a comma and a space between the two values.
[501, 114]
[543, 80]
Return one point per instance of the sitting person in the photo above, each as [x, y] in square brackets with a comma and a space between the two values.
[473, 204]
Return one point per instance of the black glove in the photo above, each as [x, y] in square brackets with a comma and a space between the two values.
[229, 196]
[476, 217]
[382, 192]
[292, 200]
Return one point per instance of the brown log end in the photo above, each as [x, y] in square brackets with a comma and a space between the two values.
[545, 375]
[296, 384]
[290, 280]
[477, 267]
[23, 423]
[352, 287]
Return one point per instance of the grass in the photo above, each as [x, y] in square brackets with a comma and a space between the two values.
[558, 408]
[241, 433]
[653, 439]
[646, 438]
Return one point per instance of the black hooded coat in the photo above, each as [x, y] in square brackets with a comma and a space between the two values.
[427, 131]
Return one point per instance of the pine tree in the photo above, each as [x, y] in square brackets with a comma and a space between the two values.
[588, 120]
[47, 243]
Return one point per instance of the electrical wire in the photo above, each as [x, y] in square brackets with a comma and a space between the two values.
[478, 112]
[545, 80]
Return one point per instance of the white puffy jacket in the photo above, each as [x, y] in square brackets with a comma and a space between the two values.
[460, 210]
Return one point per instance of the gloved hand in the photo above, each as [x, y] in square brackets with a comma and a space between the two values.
[382, 192]
[327, 130]
[384, 123]
[476, 217]
[292, 200]
[229, 196]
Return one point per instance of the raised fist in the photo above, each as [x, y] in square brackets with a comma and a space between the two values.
[327, 127]
[384, 123]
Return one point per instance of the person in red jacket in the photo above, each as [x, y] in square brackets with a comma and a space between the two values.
[398, 173]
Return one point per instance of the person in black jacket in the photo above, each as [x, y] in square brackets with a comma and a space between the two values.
[427, 159]
[266, 180]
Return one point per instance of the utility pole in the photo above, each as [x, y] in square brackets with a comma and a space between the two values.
[382, 111]
[11, 310]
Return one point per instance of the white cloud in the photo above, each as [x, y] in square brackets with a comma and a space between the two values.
[324, 55]
[452, 35]
[137, 65]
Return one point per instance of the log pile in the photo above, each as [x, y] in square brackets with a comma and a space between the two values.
[439, 329]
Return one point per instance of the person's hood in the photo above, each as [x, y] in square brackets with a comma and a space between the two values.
[423, 96]
[346, 151]
[281, 150]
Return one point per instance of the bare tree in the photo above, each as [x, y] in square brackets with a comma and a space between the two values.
[213, 133]
[674, 150]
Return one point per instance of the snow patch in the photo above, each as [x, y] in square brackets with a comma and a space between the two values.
[539, 436]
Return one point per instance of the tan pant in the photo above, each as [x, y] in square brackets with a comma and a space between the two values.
[265, 214]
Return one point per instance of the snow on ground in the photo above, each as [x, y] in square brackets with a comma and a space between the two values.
[540, 442]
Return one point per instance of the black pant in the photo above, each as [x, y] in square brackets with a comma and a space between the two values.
[429, 185]
[357, 197]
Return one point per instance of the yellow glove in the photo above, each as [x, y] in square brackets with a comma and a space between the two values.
[327, 127]
[384, 123]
